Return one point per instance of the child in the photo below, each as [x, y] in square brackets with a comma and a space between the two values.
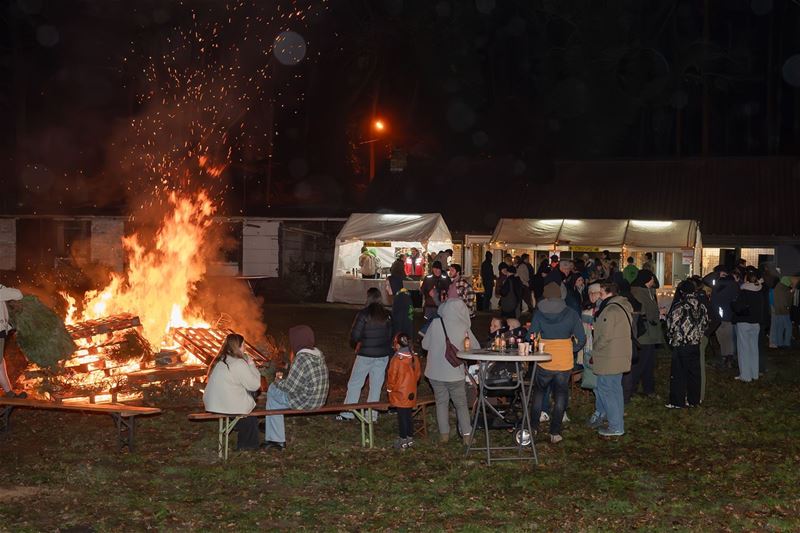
[401, 384]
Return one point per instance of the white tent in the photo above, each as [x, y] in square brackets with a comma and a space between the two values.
[428, 232]
[666, 235]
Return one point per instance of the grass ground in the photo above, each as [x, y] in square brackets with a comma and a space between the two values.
[729, 465]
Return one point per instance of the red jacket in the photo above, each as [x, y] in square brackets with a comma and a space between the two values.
[402, 378]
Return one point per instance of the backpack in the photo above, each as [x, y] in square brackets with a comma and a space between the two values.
[687, 322]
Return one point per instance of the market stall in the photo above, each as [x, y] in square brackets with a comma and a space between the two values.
[386, 235]
[675, 244]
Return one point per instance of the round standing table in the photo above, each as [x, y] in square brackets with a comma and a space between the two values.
[483, 358]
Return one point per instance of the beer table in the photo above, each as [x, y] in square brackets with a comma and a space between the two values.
[483, 358]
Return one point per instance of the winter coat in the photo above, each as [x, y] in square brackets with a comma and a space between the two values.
[6, 294]
[612, 347]
[371, 338]
[487, 275]
[554, 320]
[783, 299]
[402, 377]
[403, 314]
[653, 333]
[455, 315]
[724, 292]
[398, 269]
[368, 264]
[630, 272]
[510, 294]
[687, 322]
[229, 386]
[749, 305]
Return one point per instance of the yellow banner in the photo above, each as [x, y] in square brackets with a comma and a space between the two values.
[584, 249]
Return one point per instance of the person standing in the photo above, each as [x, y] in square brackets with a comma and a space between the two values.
[611, 357]
[415, 264]
[232, 381]
[487, 278]
[510, 294]
[398, 268]
[461, 288]
[447, 381]
[648, 263]
[724, 291]
[401, 385]
[687, 321]
[644, 371]
[402, 308]
[748, 316]
[630, 271]
[7, 294]
[368, 264]
[525, 274]
[431, 287]
[305, 387]
[371, 336]
[780, 334]
[562, 333]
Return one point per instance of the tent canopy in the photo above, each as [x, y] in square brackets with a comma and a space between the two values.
[616, 233]
[428, 232]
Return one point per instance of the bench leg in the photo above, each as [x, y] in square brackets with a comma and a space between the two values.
[421, 415]
[226, 425]
[5, 415]
[126, 431]
[367, 432]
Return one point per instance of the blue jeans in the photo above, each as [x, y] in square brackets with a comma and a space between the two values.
[780, 333]
[747, 348]
[608, 401]
[372, 367]
[557, 382]
[274, 430]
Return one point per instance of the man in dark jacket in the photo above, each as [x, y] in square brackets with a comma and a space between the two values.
[487, 278]
[432, 286]
[398, 268]
[562, 334]
[402, 308]
[510, 294]
[724, 291]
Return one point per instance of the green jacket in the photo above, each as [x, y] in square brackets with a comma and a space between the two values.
[653, 333]
[612, 346]
[629, 273]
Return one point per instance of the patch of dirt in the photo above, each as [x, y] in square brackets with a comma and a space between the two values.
[15, 493]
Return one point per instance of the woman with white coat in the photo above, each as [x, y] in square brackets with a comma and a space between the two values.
[447, 381]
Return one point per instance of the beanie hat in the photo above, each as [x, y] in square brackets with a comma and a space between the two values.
[552, 291]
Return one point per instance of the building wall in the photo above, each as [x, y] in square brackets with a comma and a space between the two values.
[8, 244]
[260, 248]
[106, 242]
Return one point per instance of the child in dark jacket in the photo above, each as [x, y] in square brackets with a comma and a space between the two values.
[401, 384]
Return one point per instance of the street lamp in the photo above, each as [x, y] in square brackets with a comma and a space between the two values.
[378, 127]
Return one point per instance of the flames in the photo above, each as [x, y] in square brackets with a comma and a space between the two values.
[160, 278]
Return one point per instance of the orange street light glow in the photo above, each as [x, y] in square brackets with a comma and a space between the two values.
[379, 125]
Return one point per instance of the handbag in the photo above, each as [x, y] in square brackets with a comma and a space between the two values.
[450, 350]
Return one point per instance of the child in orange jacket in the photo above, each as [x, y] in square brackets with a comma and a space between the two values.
[401, 384]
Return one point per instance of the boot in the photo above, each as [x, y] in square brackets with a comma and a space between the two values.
[444, 437]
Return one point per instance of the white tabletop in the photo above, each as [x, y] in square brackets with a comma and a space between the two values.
[486, 355]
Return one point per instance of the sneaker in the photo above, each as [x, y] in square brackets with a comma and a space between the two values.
[272, 445]
[467, 440]
[444, 437]
[345, 417]
[606, 432]
[555, 439]
[409, 442]
[564, 419]
[672, 406]
[544, 417]
[374, 416]
[595, 421]
[399, 443]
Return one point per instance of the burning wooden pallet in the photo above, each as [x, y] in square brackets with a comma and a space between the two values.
[110, 324]
[205, 343]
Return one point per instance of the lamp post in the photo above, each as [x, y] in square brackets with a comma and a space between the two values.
[377, 127]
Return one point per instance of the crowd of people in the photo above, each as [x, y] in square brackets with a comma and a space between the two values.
[595, 319]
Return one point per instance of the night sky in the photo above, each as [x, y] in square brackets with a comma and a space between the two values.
[109, 104]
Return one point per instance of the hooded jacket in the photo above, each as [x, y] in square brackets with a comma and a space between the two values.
[724, 292]
[554, 320]
[612, 346]
[749, 305]
[783, 296]
[455, 315]
[402, 377]
[6, 294]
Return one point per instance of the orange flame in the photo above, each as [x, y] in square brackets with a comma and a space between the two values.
[160, 279]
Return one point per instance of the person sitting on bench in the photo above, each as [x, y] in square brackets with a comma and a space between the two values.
[306, 386]
[232, 380]
[7, 294]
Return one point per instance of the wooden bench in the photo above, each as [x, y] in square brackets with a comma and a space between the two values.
[124, 415]
[362, 411]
